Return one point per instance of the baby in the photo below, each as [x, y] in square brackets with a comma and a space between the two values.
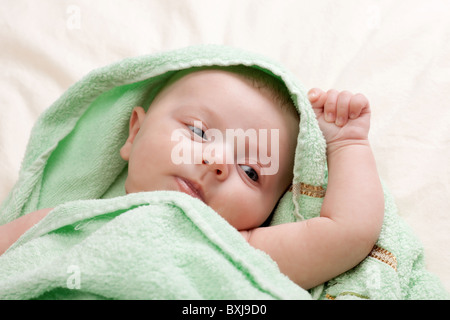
[197, 103]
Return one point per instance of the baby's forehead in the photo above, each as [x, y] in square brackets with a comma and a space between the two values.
[264, 81]
[193, 84]
[203, 75]
[266, 85]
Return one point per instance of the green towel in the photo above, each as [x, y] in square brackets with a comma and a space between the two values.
[99, 243]
[156, 245]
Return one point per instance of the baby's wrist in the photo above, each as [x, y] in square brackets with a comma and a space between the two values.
[348, 144]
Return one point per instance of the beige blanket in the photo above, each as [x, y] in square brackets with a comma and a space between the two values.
[396, 53]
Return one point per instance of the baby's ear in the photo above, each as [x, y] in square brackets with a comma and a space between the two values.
[136, 121]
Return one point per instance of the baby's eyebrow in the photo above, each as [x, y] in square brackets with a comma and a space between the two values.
[206, 110]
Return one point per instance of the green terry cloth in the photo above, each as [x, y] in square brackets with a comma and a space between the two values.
[98, 243]
[156, 245]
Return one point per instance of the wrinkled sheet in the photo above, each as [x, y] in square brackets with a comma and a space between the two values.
[396, 53]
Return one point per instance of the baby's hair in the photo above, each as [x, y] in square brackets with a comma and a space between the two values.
[263, 80]
[259, 79]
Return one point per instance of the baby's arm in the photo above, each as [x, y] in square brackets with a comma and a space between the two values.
[315, 250]
[10, 232]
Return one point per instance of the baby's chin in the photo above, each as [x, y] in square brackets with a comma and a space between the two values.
[131, 187]
[241, 225]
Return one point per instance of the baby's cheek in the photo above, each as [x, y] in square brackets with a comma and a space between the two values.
[252, 214]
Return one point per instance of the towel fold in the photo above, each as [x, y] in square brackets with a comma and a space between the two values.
[158, 245]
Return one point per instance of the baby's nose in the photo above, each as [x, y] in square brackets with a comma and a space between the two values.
[219, 169]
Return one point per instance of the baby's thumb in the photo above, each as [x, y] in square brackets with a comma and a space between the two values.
[317, 98]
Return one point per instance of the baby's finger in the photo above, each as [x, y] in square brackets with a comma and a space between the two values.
[314, 95]
[357, 103]
[342, 106]
[317, 98]
[330, 105]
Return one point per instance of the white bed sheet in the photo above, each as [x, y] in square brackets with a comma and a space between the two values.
[395, 52]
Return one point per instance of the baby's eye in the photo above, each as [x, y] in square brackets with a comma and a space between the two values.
[198, 131]
[250, 172]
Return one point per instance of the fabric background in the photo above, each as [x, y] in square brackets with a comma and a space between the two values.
[396, 53]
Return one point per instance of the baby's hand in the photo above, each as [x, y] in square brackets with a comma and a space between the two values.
[341, 115]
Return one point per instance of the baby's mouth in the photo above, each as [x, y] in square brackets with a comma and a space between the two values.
[191, 188]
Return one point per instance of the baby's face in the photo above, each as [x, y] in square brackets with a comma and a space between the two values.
[180, 144]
